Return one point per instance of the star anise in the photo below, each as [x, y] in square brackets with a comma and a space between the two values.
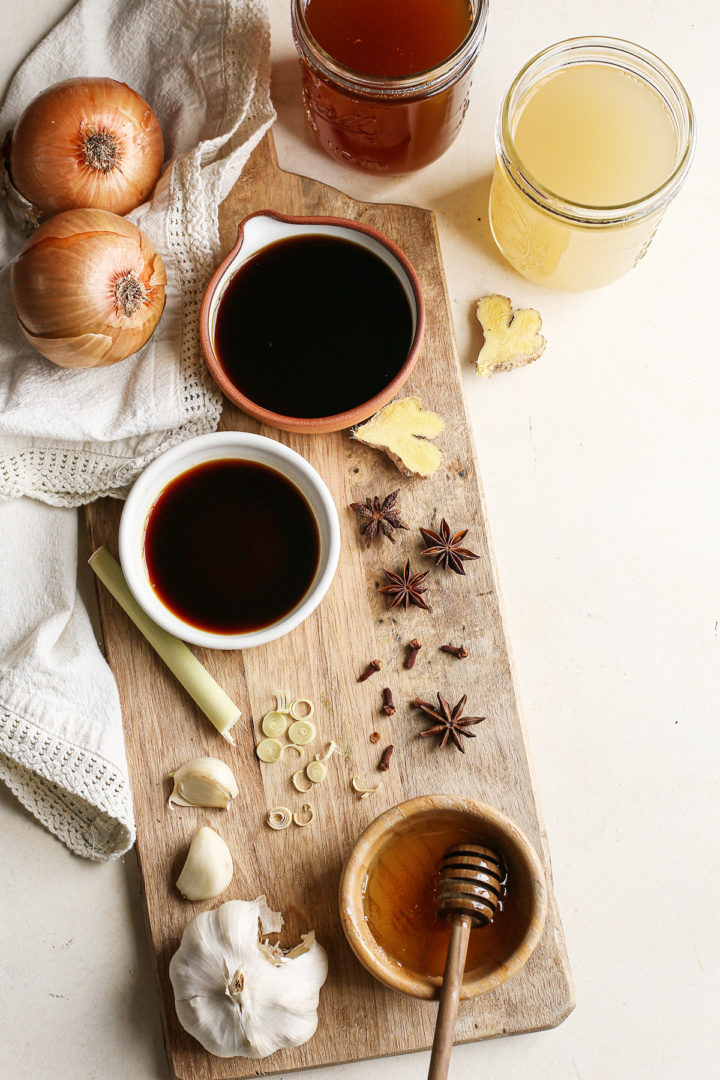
[406, 589]
[450, 722]
[446, 549]
[380, 517]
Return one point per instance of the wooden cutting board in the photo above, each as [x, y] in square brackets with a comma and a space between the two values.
[299, 869]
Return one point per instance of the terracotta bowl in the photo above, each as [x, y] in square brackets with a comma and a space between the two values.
[258, 231]
[526, 903]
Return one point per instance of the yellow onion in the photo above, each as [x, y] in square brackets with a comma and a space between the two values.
[86, 143]
[88, 288]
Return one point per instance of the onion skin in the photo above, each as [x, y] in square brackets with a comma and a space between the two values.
[86, 142]
[88, 289]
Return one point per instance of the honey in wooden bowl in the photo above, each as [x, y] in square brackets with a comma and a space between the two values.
[400, 901]
[231, 546]
[388, 899]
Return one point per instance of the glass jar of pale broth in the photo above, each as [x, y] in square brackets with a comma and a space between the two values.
[594, 138]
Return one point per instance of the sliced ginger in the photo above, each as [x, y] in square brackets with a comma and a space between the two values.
[512, 339]
[402, 429]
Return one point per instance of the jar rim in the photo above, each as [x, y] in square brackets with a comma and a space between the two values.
[621, 54]
[431, 79]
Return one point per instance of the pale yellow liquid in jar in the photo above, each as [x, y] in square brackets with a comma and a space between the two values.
[597, 136]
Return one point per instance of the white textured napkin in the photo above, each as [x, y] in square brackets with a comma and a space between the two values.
[68, 437]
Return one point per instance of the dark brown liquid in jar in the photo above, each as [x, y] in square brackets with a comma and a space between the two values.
[400, 906]
[231, 546]
[371, 121]
[312, 326]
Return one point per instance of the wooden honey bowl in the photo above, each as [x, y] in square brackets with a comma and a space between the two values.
[388, 901]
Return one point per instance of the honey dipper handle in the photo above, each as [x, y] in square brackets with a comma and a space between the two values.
[449, 999]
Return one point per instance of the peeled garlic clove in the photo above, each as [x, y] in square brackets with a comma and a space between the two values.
[205, 781]
[208, 869]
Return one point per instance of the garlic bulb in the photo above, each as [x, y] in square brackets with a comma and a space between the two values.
[208, 869]
[205, 781]
[239, 996]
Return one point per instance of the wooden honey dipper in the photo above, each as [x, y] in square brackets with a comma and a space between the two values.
[469, 891]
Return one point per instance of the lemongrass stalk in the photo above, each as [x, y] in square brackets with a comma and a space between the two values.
[187, 669]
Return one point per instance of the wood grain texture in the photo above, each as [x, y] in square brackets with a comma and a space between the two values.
[299, 869]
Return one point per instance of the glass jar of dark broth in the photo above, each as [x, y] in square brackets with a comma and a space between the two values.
[386, 85]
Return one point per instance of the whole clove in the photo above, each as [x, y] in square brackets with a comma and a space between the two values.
[385, 759]
[414, 647]
[372, 667]
[388, 707]
[455, 650]
[375, 737]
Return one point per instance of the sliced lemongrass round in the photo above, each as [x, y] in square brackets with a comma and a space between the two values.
[273, 724]
[301, 732]
[293, 746]
[281, 701]
[297, 713]
[309, 810]
[316, 771]
[279, 817]
[331, 748]
[362, 791]
[296, 783]
[269, 750]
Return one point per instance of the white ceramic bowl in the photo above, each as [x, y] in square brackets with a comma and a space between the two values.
[226, 444]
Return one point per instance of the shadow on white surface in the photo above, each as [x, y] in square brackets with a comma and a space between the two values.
[72, 1007]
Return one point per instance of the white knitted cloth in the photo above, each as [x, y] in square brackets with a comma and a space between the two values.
[68, 437]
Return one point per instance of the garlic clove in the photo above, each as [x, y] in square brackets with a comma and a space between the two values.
[205, 781]
[208, 868]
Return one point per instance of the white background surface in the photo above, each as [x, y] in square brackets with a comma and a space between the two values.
[601, 468]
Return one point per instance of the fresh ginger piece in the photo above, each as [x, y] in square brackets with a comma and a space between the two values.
[402, 429]
[511, 339]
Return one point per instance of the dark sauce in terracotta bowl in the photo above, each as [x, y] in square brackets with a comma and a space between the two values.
[231, 546]
[312, 326]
